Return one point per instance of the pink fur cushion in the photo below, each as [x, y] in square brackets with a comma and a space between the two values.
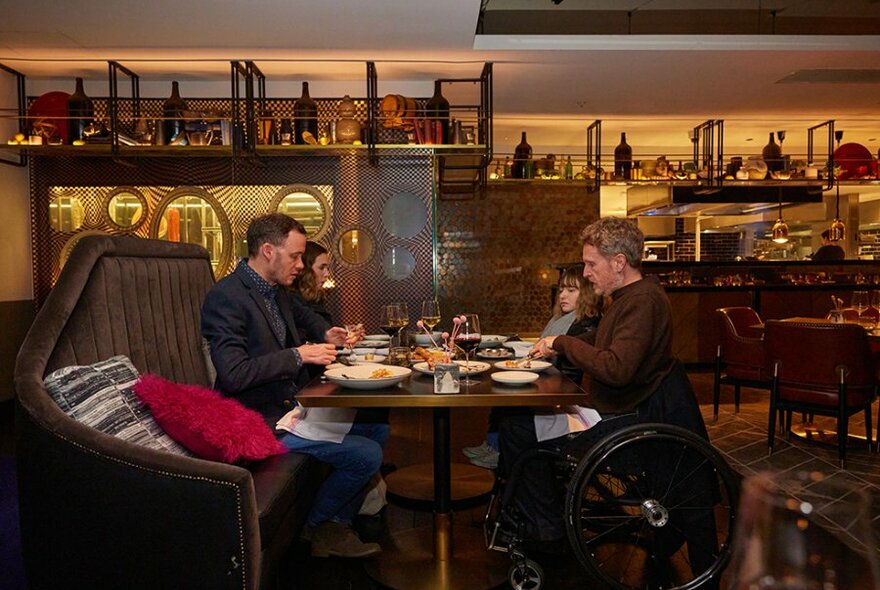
[210, 425]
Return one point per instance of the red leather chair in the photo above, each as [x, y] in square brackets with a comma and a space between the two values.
[739, 359]
[824, 369]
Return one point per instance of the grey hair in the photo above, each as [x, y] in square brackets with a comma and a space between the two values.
[616, 235]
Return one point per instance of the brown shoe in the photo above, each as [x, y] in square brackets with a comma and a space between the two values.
[339, 540]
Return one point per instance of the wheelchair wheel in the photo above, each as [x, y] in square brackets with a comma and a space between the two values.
[652, 506]
[525, 574]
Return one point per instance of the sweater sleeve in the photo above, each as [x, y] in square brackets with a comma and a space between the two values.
[617, 363]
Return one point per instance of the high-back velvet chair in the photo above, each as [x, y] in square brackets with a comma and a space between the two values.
[824, 369]
[739, 358]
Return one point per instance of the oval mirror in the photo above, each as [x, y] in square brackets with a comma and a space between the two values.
[356, 246]
[307, 204]
[125, 207]
[404, 215]
[398, 263]
[66, 213]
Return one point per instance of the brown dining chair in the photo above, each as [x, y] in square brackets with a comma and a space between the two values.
[824, 369]
[739, 357]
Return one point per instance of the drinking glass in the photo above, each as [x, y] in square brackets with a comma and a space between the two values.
[430, 313]
[860, 302]
[390, 319]
[803, 531]
[875, 303]
[467, 339]
[402, 321]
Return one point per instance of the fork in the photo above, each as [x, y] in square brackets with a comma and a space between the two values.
[528, 358]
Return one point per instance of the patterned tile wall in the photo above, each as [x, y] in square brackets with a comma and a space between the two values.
[496, 253]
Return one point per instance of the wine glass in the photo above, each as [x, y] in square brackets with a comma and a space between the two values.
[803, 531]
[467, 339]
[875, 303]
[402, 321]
[430, 313]
[390, 319]
[860, 302]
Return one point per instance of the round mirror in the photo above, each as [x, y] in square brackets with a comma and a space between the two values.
[192, 216]
[356, 246]
[66, 213]
[125, 207]
[404, 215]
[307, 204]
[398, 263]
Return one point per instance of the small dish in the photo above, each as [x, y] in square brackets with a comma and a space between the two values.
[495, 353]
[423, 339]
[515, 377]
[492, 340]
[384, 337]
[370, 343]
[367, 359]
[475, 368]
[533, 366]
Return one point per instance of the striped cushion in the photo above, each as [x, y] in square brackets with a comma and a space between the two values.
[100, 396]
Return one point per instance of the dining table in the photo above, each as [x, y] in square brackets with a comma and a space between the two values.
[442, 557]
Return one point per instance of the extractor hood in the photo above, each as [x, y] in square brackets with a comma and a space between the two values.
[688, 200]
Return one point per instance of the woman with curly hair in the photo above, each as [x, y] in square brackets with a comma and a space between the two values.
[308, 287]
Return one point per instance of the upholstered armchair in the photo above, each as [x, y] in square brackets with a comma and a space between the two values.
[99, 512]
[739, 358]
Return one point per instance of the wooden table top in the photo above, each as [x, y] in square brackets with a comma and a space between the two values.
[417, 391]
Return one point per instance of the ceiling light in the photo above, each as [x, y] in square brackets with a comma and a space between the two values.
[837, 231]
[780, 228]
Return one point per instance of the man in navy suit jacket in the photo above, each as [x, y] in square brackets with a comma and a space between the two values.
[250, 322]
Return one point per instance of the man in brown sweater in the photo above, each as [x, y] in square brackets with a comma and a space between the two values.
[630, 361]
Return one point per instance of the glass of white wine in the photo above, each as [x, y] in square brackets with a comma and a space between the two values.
[430, 313]
[860, 302]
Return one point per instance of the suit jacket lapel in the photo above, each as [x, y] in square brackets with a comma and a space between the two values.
[260, 303]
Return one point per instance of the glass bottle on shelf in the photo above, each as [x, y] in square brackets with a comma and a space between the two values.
[569, 169]
[437, 111]
[305, 113]
[348, 129]
[80, 111]
[172, 111]
[508, 168]
[522, 157]
[286, 132]
[772, 155]
[623, 159]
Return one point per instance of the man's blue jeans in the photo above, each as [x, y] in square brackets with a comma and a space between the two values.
[354, 462]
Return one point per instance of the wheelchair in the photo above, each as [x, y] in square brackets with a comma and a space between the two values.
[648, 506]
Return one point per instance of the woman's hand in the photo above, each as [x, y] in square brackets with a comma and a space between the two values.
[543, 347]
[317, 354]
[336, 336]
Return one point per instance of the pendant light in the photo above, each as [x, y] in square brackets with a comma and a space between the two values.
[837, 232]
[780, 228]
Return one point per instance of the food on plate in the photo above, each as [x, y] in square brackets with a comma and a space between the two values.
[432, 357]
[380, 374]
[514, 365]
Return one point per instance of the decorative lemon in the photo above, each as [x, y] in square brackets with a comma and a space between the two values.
[19, 137]
[78, 142]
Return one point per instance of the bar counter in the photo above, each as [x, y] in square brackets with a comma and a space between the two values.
[776, 289]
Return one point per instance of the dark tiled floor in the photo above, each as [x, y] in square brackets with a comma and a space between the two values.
[740, 437]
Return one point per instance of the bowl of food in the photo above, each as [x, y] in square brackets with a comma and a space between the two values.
[423, 339]
[367, 376]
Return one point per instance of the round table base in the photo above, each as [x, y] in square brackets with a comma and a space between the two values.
[407, 562]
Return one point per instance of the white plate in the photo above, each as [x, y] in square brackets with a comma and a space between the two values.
[514, 377]
[384, 337]
[359, 377]
[490, 340]
[369, 343]
[536, 366]
[374, 359]
[476, 367]
[423, 339]
[494, 353]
